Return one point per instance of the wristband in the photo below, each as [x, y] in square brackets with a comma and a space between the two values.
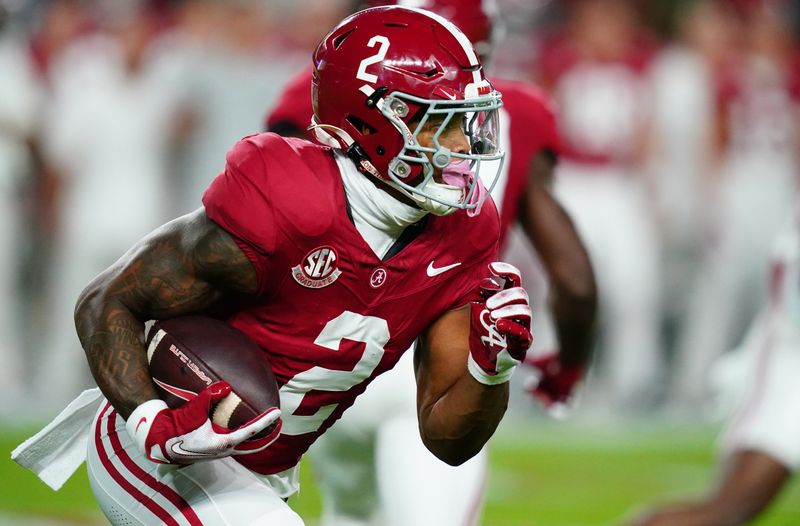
[141, 419]
[503, 374]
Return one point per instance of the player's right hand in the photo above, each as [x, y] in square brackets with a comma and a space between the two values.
[186, 434]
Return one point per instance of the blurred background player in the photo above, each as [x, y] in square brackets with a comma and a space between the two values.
[595, 66]
[110, 134]
[21, 98]
[681, 157]
[236, 60]
[754, 172]
[146, 88]
[371, 466]
[761, 446]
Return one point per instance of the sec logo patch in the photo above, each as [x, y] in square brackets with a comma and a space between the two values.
[318, 269]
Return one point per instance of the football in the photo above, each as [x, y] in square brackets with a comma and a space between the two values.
[189, 353]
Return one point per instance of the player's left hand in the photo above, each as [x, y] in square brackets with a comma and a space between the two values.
[500, 326]
[185, 435]
[554, 382]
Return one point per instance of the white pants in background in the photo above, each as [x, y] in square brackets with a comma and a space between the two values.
[610, 211]
[12, 374]
[763, 372]
[755, 196]
[373, 469]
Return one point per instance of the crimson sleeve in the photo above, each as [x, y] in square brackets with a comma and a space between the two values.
[467, 285]
[550, 138]
[238, 201]
[485, 242]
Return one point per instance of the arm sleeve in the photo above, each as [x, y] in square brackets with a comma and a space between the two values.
[465, 285]
[542, 115]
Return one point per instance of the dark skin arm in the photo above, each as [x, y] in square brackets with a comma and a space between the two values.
[751, 481]
[183, 267]
[573, 291]
[457, 414]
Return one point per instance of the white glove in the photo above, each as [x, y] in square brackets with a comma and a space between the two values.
[186, 434]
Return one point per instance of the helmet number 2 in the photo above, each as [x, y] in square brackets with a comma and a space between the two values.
[362, 74]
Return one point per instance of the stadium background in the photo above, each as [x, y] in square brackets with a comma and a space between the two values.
[114, 115]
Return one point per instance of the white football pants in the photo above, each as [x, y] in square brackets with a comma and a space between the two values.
[133, 491]
[610, 211]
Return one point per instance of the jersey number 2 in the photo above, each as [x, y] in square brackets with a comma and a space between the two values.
[362, 74]
[370, 330]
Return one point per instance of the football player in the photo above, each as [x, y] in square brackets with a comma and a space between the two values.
[757, 155]
[376, 443]
[761, 446]
[595, 65]
[336, 259]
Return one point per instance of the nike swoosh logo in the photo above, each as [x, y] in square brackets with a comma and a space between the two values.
[178, 449]
[434, 271]
[142, 421]
[183, 394]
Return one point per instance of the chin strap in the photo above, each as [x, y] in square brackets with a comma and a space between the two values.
[330, 135]
[336, 137]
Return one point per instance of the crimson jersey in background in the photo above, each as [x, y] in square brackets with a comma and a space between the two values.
[294, 106]
[527, 128]
[602, 102]
[527, 124]
[757, 107]
[329, 313]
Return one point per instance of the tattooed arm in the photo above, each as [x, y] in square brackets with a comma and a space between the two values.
[182, 267]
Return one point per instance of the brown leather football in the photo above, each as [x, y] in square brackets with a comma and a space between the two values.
[189, 353]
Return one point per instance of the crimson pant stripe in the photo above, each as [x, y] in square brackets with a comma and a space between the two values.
[166, 491]
[147, 502]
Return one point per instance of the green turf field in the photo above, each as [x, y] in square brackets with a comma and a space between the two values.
[542, 475]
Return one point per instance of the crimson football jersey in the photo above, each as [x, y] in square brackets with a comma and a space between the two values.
[527, 127]
[330, 314]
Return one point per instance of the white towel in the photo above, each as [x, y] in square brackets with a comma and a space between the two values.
[55, 452]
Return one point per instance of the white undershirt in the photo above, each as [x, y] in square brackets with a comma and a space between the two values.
[378, 217]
